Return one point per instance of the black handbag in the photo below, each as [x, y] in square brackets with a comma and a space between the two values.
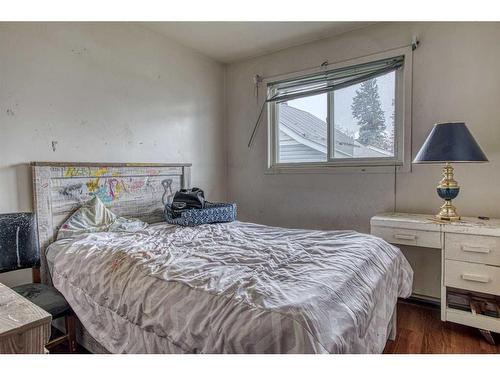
[186, 199]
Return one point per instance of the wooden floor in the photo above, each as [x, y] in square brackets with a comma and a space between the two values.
[420, 330]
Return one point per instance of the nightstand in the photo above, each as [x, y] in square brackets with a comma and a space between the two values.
[24, 327]
[470, 260]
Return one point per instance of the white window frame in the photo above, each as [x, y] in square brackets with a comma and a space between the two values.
[402, 125]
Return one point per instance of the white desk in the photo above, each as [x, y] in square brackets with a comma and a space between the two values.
[470, 256]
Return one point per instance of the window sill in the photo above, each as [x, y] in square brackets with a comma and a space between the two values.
[338, 169]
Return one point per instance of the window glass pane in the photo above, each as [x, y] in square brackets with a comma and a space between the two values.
[364, 119]
[302, 135]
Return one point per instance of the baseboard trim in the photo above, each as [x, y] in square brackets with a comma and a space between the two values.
[423, 300]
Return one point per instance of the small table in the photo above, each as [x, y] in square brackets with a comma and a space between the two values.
[24, 327]
[470, 257]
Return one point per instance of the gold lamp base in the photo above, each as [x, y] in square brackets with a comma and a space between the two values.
[448, 212]
[448, 189]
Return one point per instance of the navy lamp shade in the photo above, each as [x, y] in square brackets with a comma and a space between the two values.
[449, 143]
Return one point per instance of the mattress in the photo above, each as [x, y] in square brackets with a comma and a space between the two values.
[232, 288]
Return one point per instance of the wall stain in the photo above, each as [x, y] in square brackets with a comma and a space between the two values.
[80, 51]
[54, 145]
[10, 112]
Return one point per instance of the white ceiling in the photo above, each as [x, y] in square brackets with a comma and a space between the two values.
[231, 41]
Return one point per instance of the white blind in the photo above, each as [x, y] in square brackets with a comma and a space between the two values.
[327, 81]
[331, 80]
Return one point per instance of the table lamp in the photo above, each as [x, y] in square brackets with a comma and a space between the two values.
[449, 143]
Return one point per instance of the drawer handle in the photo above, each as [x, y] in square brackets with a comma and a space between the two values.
[476, 278]
[475, 249]
[405, 236]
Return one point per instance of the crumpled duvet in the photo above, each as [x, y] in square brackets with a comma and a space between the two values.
[232, 288]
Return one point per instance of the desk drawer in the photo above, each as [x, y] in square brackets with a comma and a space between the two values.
[408, 236]
[470, 248]
[472, 276]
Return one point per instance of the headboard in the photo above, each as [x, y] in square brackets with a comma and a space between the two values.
[129, 190]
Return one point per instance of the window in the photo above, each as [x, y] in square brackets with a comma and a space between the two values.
[349, 115]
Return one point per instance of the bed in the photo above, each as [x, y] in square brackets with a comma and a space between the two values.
[224, 288]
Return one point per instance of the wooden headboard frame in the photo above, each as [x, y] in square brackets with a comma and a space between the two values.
[129, 190]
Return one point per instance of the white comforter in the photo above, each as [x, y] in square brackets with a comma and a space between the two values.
[232, 288]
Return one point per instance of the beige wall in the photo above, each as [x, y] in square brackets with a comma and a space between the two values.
[456, 76]
[109, 93]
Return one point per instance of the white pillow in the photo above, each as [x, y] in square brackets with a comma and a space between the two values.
[93, 216]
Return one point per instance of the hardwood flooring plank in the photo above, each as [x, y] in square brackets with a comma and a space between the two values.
[409, 342]
[420, 330]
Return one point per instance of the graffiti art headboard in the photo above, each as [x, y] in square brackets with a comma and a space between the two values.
[129, 190]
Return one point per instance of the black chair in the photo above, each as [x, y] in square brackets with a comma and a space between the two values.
[18, 250]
